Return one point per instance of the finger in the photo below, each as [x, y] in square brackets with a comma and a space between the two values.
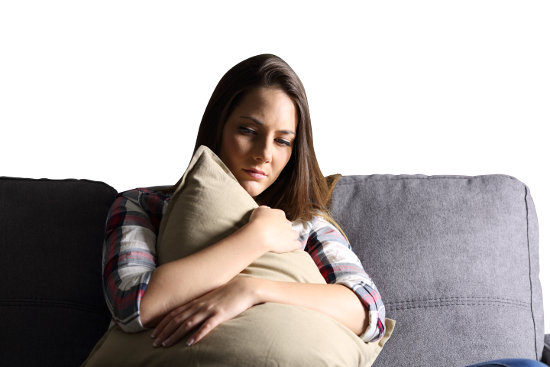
[185, 328]
[160, 326]
[166, 320]
[171, 323]
[205, 328]
[280, 213]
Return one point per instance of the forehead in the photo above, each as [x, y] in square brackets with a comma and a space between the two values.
[270, 106]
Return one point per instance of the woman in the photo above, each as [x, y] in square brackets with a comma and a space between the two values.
[257, 121]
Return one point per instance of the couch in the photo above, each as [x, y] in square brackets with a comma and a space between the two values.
[454, 257]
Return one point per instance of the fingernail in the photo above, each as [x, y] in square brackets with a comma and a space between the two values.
[190, 341]
[153, 336]
[155, 344]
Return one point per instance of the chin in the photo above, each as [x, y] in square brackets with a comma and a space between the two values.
[252, 188]
[254, 193]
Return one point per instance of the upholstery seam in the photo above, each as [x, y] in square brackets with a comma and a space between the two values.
[496, 304]
[439, 299]
[434, 177]
[455, 301]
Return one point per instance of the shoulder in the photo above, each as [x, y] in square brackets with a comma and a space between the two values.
[146, 193]
[145, 198]
[141, 207]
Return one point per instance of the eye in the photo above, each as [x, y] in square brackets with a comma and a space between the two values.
[283, 142]
[246, 130]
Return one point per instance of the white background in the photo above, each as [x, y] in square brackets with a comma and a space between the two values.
[114, 91]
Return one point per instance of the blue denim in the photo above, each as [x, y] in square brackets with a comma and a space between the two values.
[510, 362]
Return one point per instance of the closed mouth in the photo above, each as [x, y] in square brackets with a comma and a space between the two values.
[255, 173]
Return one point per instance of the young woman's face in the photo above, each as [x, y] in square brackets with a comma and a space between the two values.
[258, 137]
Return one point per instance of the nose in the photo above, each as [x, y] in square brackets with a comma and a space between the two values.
[262, 151]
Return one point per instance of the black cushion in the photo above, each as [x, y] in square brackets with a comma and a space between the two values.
[52, 309]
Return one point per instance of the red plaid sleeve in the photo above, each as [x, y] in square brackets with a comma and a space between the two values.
[340, 265]
[129, 253]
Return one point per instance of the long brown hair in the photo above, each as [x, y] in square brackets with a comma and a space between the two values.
[301, 190]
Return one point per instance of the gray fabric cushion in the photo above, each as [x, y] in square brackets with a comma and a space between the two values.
[456, 261]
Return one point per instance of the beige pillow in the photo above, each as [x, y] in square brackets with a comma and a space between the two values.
[209, 204]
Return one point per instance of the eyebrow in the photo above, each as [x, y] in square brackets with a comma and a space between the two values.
[258, 122]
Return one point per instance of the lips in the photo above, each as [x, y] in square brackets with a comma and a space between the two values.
[255, 173]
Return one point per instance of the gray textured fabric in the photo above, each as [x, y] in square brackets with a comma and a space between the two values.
[456, 261]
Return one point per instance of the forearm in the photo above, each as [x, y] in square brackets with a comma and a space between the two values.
[178, 282]
[334, 300]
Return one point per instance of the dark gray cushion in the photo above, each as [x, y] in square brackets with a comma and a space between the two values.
[546, 352]
[456, 261]
[52, 309]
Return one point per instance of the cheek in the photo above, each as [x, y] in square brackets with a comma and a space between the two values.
[231, 149]
[234, 145]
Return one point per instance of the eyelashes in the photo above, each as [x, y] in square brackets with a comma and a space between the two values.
[248, 131]
[283, 142]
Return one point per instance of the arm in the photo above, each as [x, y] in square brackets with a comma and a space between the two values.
[350, 296]
[129, 253]
[351, 299]
[241, 293]
[340, 265]
[179, 282]
[334, 300]
[138, 292]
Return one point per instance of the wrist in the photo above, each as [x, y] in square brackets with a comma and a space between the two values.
[253, 288]
[256, 233]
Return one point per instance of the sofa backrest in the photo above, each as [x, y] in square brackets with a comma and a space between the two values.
[455, 259]
[52, 310]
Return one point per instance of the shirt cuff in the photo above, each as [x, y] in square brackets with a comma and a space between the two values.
[374, 308]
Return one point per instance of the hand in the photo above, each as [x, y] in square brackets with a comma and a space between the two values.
[274, 230]
[206, 312]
